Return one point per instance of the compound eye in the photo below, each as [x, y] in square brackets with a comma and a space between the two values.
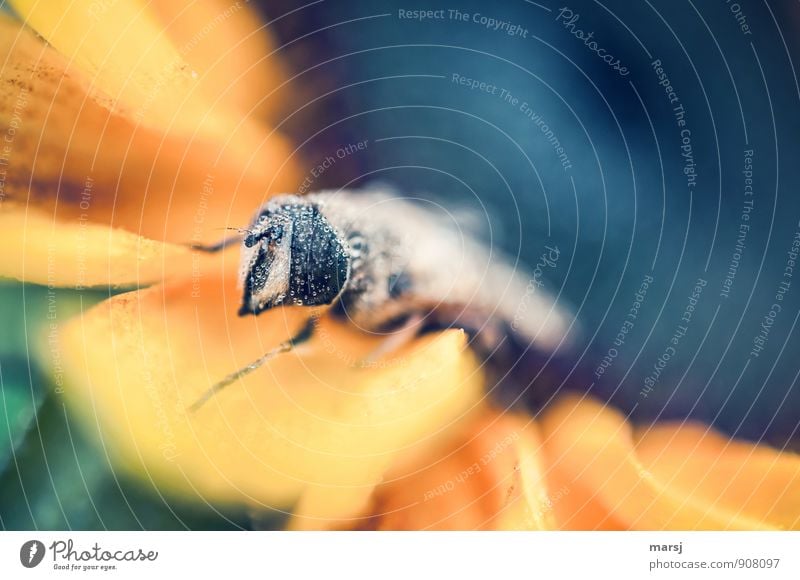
[320, 263]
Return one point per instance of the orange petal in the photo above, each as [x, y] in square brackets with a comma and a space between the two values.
[63, 151]
[81, 254]
[680, 485]
[488, 477]
[122, 49]
[742, 479]
[309, 421]
[229, 46]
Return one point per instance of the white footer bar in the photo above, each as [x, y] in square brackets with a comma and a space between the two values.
[402, 555]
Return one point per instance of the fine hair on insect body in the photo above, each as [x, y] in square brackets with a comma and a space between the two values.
[385, 264]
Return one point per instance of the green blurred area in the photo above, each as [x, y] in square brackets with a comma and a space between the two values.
[54, 475]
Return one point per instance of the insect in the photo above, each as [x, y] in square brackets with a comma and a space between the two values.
[387, 265]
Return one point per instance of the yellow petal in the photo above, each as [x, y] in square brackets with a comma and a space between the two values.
[489, 476]
[592, 450]
[62, 151]
[229, 46]
[310, 420]
[80, 254]
[122, 48]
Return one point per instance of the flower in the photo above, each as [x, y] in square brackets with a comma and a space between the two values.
[679, 476]
[582, 466]
[128, 136]
[122, 137]
[129, 145]
[311, 428]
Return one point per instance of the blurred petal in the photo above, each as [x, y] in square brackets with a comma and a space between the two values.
[311, 420]
[686, 483]
[66, 153]
[229, 46]
[742, 479]
[123, 50]
[80, 254]
[488, 477]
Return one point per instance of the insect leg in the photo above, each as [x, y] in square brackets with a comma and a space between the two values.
[286, 346]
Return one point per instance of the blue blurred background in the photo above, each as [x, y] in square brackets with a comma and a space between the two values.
[617, 201]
